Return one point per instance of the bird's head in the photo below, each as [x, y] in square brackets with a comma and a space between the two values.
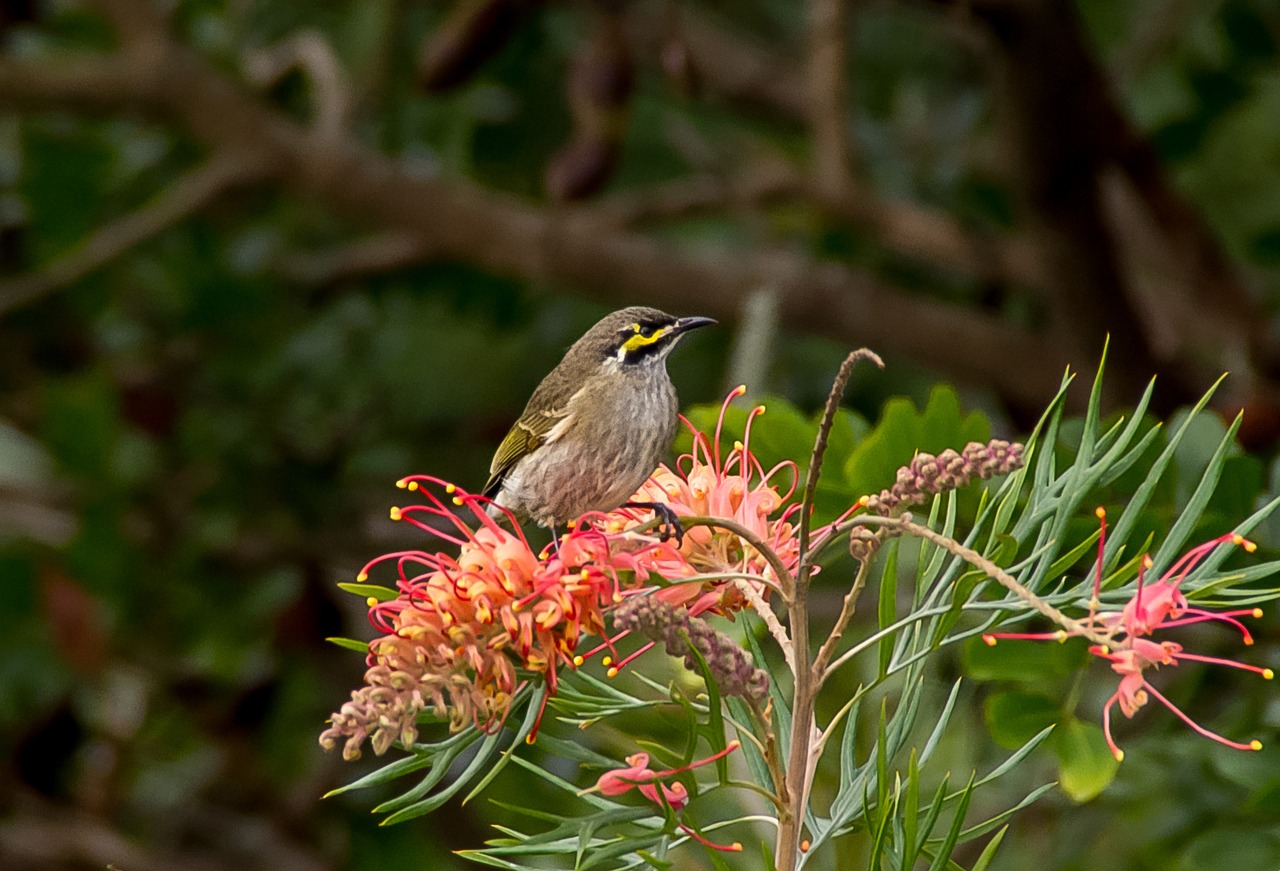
[639, 335]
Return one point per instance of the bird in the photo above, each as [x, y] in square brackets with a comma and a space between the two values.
[596, 427]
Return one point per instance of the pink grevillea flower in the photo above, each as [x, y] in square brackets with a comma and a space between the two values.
[466, 630]
[1132, 653]
[734, 486]
[650, 784]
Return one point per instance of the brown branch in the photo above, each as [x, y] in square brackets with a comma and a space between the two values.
[310, 52]
[184, 197]
[752, 73]
[828, 98]
[385, 252]
[745, 70]
[506, 236]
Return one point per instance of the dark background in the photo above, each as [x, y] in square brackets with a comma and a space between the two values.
[260, 259]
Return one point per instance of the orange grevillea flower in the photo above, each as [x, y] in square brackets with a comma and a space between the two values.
[734, 486]
[466, 630]
[651, 785]
[1154, 607]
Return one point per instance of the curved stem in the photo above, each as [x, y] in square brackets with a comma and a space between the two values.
[771, 621]
[820, 450]
[786, 582]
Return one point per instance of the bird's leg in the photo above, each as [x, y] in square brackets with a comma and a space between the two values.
[669, 527]
[555, 536]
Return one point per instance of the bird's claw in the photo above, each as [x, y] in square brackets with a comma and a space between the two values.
[669, 525]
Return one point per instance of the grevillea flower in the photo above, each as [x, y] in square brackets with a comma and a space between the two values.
[466, 630]
[650, 784]
[1132, 653]
[734, 486]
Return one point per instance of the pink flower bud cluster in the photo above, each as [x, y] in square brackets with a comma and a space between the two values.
[927, 476]
[730, 666]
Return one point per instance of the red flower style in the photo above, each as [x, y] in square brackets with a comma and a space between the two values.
[639, 775]
[1131, 652]
[734, 486]
[462, 627]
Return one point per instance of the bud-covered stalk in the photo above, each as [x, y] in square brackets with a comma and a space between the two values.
[681, 635]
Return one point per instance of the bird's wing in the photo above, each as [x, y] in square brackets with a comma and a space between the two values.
[531, 431]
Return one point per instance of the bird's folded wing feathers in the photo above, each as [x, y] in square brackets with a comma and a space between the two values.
[528, 434]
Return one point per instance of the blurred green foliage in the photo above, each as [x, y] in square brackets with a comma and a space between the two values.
[198, 441]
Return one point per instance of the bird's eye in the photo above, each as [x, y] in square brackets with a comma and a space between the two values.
[645, 330]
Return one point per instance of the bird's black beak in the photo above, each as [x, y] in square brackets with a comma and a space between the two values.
[684, 325]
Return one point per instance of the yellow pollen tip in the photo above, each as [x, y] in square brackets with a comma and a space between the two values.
[362, 577]
[989, 640]
[739, 390]
[1119, 755]
[396, 514]
[457, 500]
[804, 846]
[585, 574]
[571, 523]
[606, 660]
[1061, 635]
[450, 489]
[1257, 612]
[1100, 513]
[1148, 562]
[735, 847]
[529, 739]
[612, 672]
[864, 501]
[737, 445]
[1104, 649]
[617, 597]
[402, 483]
[1250, 546]
[760, 409]
[578, 660]
[732, 745]
[413, 485]
[1255, 744]
[371, 601]
[1268, 674]
[515, 607]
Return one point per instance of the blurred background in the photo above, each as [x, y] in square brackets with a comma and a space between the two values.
[260, 259]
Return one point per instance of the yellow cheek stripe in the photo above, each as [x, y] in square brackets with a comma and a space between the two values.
[638, 341]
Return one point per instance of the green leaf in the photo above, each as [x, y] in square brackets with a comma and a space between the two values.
[888, 604]
[1023, 661]
[370, 591]
[902, 431]
[1014, 717]
[1085, 763]
[350, 644]
[989, 851]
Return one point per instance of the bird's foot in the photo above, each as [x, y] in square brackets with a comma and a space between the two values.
[669, 523]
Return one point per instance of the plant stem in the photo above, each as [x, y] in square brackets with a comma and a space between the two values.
[796, 798]
[820, 450]
[1006, 580]
[828, 648]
